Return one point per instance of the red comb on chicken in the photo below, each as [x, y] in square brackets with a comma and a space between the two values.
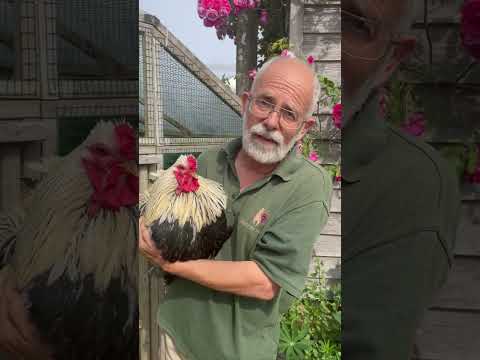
[114, 185]
[185, 173]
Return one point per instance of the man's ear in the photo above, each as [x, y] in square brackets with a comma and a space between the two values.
[244, 99]
[402, 49]
[307, 125]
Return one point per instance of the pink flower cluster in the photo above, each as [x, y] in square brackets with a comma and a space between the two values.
[415, 124]
[470, 27]
[337, 115]
[245, 4]
[213, 12]
[474, 177]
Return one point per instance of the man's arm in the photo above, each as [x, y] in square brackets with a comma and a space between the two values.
[18, 336]
[244, 278]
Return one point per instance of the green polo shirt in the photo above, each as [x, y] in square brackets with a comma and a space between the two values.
[210, 325]
[400, 211]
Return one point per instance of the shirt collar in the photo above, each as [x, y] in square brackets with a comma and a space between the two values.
[363, 139]
[285, 169]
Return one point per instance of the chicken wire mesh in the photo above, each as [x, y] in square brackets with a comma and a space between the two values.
[190, 108]
[18, 52]
[175, 101]
[91, 38]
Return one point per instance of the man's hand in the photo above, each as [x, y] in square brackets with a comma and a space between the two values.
[149, 250]
[244, 278]
[18, 336]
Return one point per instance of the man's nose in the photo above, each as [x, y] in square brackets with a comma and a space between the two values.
[272, 120]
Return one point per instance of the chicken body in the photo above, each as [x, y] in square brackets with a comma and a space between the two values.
[74, 252]
[186, 213]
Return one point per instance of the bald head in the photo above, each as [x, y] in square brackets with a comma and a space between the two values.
[293, 73]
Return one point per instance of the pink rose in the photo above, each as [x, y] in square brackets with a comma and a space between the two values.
[313, 156]
[287, 53]
[470, 27]
[337, 115]
[264, 17]
[310, 59]
[415, 124]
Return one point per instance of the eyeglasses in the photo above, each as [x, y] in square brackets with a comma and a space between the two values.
[262, 108]
[364, 38]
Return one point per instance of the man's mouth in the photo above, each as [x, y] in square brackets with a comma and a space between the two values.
[265, 139]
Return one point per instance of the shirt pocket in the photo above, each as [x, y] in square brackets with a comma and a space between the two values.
[247, 236]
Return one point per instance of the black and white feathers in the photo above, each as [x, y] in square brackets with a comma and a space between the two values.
[186, 213]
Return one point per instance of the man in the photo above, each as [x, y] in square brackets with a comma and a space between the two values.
[229, 308]
[400, 202]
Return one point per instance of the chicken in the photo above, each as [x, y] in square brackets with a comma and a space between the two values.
[185, 213]
[73, 251]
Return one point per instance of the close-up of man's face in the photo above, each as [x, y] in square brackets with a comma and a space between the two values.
[287, 90]
[371, 47]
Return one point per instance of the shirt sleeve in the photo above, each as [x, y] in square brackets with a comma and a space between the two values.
[385, 291]
[284, 252]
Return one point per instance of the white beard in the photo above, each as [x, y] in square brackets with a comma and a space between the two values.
[261, 153]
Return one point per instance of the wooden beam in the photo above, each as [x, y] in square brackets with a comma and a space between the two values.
[22, 131]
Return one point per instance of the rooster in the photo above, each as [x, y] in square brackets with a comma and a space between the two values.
[185, 213]
[73, 251]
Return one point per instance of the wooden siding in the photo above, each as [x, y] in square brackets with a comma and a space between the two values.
[315, 29]
[451, 327]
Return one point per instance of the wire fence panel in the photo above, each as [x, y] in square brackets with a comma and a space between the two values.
[92, 38]
[18, 53]
[190, 108]
[182, 104]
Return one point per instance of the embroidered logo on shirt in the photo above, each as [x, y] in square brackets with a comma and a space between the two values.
[261, 217]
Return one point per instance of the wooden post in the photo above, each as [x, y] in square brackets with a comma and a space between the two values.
[296, 26]
[10, 172]
[246, 37]
[144, 288]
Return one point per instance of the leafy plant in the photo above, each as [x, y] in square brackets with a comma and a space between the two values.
[332, 92]
[311, 329]
[276, 47]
